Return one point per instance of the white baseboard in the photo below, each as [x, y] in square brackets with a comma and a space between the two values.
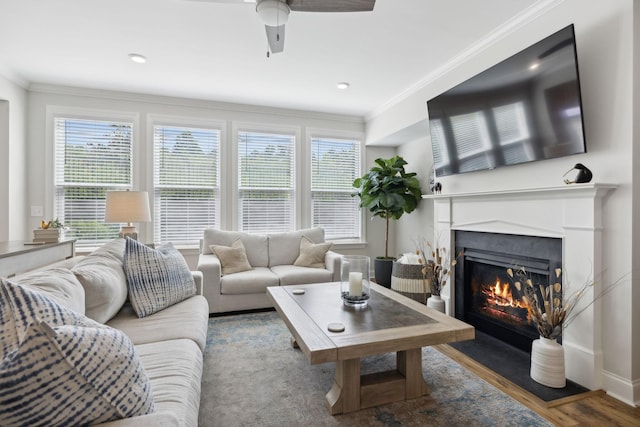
[621, 388]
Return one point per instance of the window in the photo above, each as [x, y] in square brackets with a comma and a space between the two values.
[335, 164]
[186, 183]
[91, 158]
[266, 179]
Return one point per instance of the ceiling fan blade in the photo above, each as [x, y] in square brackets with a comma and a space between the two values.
[331, 5]
[275, 36]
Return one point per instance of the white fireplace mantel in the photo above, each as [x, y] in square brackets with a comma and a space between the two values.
[572, 213]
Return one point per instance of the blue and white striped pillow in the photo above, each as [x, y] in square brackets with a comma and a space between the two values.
[19, 307]
[157, 278]
[72, 375]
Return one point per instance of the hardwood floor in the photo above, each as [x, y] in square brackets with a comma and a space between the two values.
[594, 408]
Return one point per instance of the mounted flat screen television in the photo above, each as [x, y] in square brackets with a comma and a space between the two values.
[523, 109]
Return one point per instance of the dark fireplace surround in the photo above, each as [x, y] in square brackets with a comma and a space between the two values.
[484, 294]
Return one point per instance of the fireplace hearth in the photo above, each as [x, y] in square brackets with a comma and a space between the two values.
[485, 295]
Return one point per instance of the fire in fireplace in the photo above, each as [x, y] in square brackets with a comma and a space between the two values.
[486, 297]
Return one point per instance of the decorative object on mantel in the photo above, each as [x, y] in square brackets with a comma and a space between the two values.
[584, 175]
[550, 312]
[436, 270]
[434, 186]
[49, 231]
[388, 192]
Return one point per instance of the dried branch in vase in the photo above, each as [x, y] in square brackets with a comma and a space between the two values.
[436, 265]
[546, 304]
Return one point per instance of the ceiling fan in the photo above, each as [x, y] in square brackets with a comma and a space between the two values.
[275, 13]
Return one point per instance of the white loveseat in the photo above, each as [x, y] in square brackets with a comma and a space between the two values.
[272, 258]
[169, 343]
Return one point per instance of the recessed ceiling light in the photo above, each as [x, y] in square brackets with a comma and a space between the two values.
[343, 85]
[137, 58]
[534, 65]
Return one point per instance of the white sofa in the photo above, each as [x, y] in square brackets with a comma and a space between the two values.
[169, 343]
[272, 259]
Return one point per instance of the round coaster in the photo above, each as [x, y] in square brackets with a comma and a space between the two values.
[335, 327]
[297, 291]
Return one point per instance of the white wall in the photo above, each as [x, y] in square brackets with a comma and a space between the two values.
[605, 35]
[13, 213]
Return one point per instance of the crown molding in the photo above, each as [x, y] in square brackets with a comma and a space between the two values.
[190, 102]
[528, 15]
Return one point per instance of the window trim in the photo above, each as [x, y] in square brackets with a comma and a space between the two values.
[154, 120]
[53, 112]
[314, 132]
[233, 210]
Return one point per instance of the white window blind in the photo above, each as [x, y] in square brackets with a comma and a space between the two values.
[91, 158]
[186, 183]
[266, 180]
[335, 164]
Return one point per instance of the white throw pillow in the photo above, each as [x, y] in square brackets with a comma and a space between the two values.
[58, 283]
[72, 375]
[157, 278]
[105, 284]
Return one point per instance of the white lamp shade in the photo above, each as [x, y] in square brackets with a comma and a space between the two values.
[127, 206]
[273, 12]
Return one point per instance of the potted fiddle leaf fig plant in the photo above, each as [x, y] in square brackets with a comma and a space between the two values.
[388, 192]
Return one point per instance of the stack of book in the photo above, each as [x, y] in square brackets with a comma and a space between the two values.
[49, 235]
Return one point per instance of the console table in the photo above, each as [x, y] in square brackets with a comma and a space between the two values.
[17, 257]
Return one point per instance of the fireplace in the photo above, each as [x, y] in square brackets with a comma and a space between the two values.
[485, 295]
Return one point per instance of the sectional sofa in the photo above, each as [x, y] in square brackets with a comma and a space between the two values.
[237, 267]
[142, 355]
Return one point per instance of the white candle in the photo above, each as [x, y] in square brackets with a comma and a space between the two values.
[355, 284]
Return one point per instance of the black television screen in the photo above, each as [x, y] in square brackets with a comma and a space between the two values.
[523, 109]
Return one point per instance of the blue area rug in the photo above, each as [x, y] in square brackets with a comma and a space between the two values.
[253, 377]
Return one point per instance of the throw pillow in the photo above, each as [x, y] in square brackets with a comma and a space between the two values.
[157, 278]
[312, 254]
[58, 283]
[71, 375]
[104, 281]
[20, 306]
[233, 259]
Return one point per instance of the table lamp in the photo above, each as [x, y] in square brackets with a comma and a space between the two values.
[129, 207]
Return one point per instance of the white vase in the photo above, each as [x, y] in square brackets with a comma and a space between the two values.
[547, 363]
[435, 302]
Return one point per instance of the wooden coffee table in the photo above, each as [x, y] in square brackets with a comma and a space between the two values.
[390, 323]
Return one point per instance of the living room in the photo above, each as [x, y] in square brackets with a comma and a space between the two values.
[608, 43]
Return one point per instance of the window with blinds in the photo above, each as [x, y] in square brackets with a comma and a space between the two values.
[91, 158]
[266, 182]
[186, 183]
[513, 132]
[335, 164]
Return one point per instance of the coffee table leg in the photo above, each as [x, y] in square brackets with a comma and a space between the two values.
[344, 395]
[409, 364]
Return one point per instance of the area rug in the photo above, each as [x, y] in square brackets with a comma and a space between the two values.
[253, 377]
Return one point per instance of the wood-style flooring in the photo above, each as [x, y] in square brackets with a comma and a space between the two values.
[593, 408]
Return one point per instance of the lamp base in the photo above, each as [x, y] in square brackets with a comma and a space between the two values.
[129, 231]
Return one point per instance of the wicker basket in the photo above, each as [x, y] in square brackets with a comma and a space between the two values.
[406, 279]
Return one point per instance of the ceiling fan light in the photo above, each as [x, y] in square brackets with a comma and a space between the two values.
[272, 12]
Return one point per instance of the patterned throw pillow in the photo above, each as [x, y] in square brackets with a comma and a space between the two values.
[157, 278]
[72, 375]
[19, 307]
[312, 254]
[233, 259]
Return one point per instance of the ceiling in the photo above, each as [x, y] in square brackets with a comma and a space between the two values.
[217, 51]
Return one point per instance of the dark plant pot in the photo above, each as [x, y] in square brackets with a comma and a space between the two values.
[382, 269]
